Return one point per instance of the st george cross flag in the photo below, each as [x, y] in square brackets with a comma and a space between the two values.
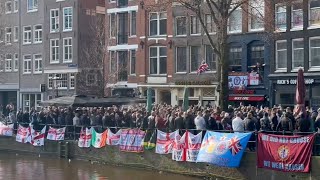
[6, 130]
[23, 134]
[37, 138]
[165, 141]
[98, 139]
[187, 147]
[56, 134]
[85, 137]
[113, 139]
[223, 149]
[131, 140]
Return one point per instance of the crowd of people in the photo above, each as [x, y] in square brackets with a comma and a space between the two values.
[242, 118]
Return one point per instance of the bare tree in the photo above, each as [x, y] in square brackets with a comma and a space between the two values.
[220, 11]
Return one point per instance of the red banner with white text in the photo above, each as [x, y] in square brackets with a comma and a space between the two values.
[285, 153]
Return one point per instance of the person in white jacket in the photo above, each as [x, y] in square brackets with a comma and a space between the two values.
[200, 122]
[238, 123]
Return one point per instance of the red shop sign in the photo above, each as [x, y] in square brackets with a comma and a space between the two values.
[246, 98]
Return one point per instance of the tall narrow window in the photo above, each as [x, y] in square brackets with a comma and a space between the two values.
[27, 64]
[281, 55]
[133, 62]
[297, 16]
[235, 58]
[209, 23]
[257, 56]
[54, 20]
[67, 19]
[314, 54]
[195, 58]
[8, 63]
[16, 62]
[158, 60]
[181, 59]
[314, 12]
[235, 21]
[27, 35]
[297, 53]
[8, 7]
[113, 62]
[133, 20]
[195, 25]
[16, 34]
[181, 23]
[8, 39]
[72, 81]
[37, 63]
[37, 34]
[113, 26]
[281, 17]
[15, 5]
[210, 58]
[54, 50]
[32, 5]
[256, 21]
[67, 49]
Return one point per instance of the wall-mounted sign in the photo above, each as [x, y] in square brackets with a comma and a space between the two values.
[246, 98]
[193, 83]
[293, 81]
[239, 91]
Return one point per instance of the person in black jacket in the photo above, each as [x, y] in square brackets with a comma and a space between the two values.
[178, 122]
[249, 124]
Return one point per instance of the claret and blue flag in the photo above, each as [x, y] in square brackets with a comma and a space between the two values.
[223, 149]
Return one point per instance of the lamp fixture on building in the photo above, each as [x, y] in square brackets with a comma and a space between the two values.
[142, 4]
[170, 43]
[141, 44]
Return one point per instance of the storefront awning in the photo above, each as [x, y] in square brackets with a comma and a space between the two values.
[246, 98]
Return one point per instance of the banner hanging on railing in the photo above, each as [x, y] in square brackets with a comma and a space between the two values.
[113, 139]
[56, 134]
[285, 153]
[131, 140]
[85, 137]
[23, 134]
[223, 149]
[186, 148]
[37, 138]
[98, 140]
[165, 141]
[6, 130]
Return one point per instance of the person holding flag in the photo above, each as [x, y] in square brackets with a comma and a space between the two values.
[203, 67]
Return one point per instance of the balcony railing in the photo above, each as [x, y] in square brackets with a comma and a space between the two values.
[122, 39]
[122, 3]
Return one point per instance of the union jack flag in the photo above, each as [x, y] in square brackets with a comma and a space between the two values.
[235, 146]
[203, 67]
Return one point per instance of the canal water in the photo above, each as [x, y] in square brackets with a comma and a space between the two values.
[29, 167]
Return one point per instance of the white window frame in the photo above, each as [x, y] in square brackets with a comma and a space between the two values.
[15, 62]
[295, 40]
[37, 70]
[15, 6]
[158, 59]
[29, 33]
[37, 34]
[59, 82]
[72, 77]
[56, 19]
[276, 14]
[197, 24]
[57, 54]
[250, 18]
[34, 6]
[176, 26]
[134, 60]
[235, 31]
[280, 69]
[190, 58]
[8, 36]
[6, 5]
[15, 34]
[70, 55]
[205, 54]
[176, 59]
[312, 68]
[8, 62]
[311, 26]
[27, 71]
[158, 23]
[292, 11]
[131, 34]
[70, 18]
[111, 27]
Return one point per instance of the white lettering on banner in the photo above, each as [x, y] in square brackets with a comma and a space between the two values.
[294, 81]
[288, 167]
[299, 140]
[241, 98]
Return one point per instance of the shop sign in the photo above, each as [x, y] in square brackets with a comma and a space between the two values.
[193, 83]
[238, 91]
[293, 81]
[246, 98]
